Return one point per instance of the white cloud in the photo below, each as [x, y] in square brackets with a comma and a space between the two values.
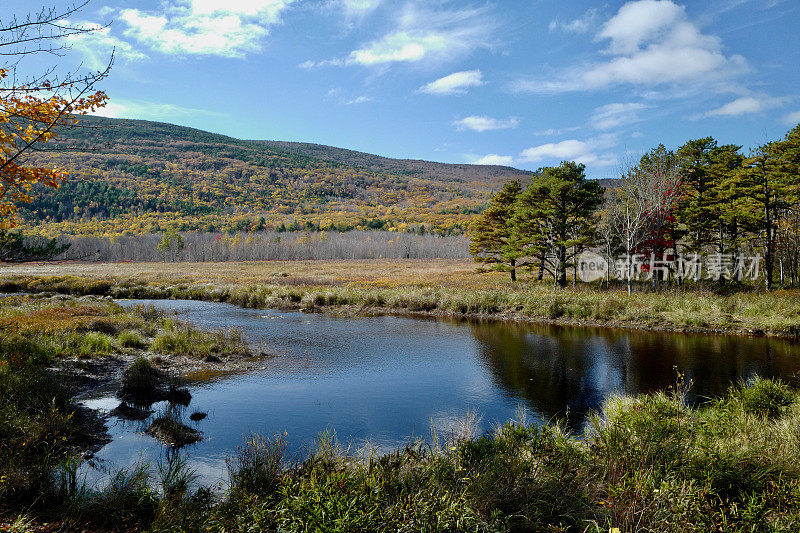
[582, 24]
[642, 22]
[612, 116]
[554, 132]
[792, 118]
[206, 27]
[137, 109]
[456, 83]
[422, 34]
[483, 123]
[359, 100]
[494, 159]
[650, 43]
[358, 8]
[744, 106]
[97, 45]
[399, 46]
[571, 150]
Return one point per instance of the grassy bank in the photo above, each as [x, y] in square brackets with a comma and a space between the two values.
[458, 293]
[52, 348]
[646, 464]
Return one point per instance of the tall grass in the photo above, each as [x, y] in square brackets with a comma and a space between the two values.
[182, 338]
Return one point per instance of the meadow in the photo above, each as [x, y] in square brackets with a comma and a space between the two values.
[432, 287]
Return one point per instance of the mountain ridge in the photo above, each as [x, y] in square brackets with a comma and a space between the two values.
[132, 176]
[391, 164]
[135, 176]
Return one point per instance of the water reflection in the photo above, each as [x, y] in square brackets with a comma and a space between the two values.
[566, 372]
[383, 379]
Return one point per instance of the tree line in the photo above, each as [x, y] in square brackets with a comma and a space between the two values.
[263, 246]
[704, 198]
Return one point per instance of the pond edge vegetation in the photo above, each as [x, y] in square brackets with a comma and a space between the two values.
[773, 313]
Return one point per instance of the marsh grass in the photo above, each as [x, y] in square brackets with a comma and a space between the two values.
[175, 476]
[183, 339]
[131, 339]
[459, 293]
[141, 379]
[649, 463]
[36, 421]
[169, 428]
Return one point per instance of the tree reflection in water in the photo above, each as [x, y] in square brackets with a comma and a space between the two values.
[565, 372]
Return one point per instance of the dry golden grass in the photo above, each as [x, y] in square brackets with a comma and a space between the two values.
[369, 272]
[432, 287]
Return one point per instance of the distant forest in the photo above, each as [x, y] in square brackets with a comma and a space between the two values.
[132, 177]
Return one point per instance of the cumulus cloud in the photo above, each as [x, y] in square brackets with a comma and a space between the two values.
[792, 118]
[494, 159]
[456, 83]
[650, 43]
[422, 34]
[585, 152]
[483, 123]
[744, 106]
[205, 27]
[612, 116]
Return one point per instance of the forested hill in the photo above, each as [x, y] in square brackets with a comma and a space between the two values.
[134, 176]
[411, 167]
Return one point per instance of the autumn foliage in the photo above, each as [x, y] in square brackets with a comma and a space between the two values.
[27, 121]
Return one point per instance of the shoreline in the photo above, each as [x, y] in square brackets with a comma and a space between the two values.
[436, 302]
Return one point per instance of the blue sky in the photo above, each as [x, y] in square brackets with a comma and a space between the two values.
[522, 83]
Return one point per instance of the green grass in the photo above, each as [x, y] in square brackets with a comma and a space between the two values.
[131, 339]
[182, 339]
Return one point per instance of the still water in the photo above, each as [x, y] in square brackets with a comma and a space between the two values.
[385, 379]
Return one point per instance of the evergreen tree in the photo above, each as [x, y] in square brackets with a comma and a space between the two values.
[557, 216]
[697, 206]
[768, 181]
[731, 222]
[17, 248]
[495, 238]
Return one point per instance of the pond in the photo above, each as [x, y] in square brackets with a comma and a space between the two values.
[386, 379]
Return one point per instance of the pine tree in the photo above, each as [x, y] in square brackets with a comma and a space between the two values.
[495, 239]
[557, 216]
[697, 205]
